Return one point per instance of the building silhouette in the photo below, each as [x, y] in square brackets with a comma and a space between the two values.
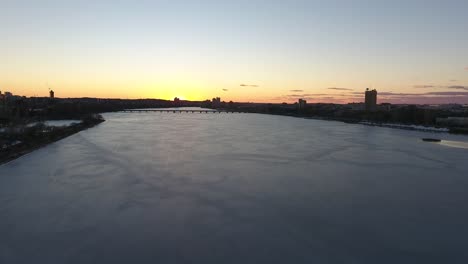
[371, 100]
[216, 102]
[302, 104]
[176, 102]
[2, 101]
[51, 94]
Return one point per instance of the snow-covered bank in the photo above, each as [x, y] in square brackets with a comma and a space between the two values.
[56, 123]
[407, 127]
[15, 141]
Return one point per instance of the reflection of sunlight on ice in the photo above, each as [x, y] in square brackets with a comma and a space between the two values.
[454, 144]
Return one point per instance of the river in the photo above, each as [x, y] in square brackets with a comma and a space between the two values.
[236, 188]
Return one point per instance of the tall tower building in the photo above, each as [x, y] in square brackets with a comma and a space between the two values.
[371, 100]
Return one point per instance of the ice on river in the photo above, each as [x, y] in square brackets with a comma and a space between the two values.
[236, 188]
[56, 123]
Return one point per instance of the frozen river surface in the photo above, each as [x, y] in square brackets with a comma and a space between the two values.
[236, 188]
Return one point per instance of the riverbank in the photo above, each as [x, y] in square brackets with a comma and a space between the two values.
[378, 124]
[463, 131]
[17, 142]
[432, 129]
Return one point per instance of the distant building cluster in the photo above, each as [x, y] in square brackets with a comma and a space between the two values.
[216, 102]
[9, 95]
[302, 104]
[4, 97]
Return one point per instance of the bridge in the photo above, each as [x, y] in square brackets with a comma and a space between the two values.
[198, 111]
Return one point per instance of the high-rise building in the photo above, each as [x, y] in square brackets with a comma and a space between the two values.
[371, 100]
[51, 94]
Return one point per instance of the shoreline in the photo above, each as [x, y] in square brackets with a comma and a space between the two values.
[411, 127]
[55, 135]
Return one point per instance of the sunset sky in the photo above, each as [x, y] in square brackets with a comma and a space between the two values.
[260, 51]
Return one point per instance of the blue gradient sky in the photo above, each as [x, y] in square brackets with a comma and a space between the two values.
[195, 49]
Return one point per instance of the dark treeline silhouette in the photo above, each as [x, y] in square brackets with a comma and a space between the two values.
[22, 108]
[36, 109]
[385, 113]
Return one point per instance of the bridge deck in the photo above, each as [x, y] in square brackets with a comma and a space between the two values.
[179, 111]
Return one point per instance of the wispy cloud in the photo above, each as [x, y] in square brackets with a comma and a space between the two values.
[340, 89]
[392, 94]
[296, 91]
[320, 97]
[424, 86]
[448, 93]
[454, 80]
[306, 95]
[225, 90]
[458, 87]
[249, 85]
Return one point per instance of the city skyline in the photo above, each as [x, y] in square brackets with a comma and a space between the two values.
[255, 51]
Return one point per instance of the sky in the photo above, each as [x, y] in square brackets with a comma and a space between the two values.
[258, 51]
